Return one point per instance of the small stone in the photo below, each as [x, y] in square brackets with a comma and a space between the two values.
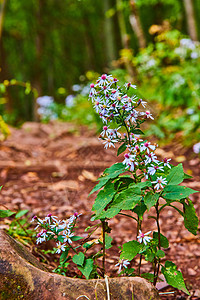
[191, 272]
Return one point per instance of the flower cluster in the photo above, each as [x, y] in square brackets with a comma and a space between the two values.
[53, 228]
[45, 109]
[114, 103]
[188, 48]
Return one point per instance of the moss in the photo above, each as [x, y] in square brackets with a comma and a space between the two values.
[13, 287]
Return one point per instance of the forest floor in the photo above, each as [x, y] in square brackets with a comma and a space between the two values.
[52, 168]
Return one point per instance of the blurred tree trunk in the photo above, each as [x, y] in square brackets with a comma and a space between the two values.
[189, 9]
[2, 13]
[39, 40]
[136, 24]
[124, 36]
[109, 36]
[3, 66]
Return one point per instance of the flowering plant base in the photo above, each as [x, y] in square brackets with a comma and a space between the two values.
[22, 276]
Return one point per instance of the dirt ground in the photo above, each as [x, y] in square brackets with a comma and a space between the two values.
[52, 168]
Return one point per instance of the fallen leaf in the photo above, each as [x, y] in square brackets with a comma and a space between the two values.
[89, 175]
[180, 158]
[64, 185]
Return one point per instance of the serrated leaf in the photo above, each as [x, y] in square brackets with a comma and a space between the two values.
[78, 259]
[163, 240]
[21, 213]
[150, 199]
[109, 173]
[130, 250]
[176, 175]
[6, 213]
[87, 268]
[104, 197]
[191, 221]
[142, 185]
[108, 240]
[176, 192]
[123, 201]
[99, 186]
[121, 149]
[173, 276]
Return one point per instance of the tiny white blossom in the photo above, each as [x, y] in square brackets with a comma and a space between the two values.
[147, 146]
[166, 162]
[67, 236]
[60, 247]
[143, 237]
[160, 182]
[109, 142]
[123, 263]
[152, 169]
[128, 85]
[41, 236]
[196, 148]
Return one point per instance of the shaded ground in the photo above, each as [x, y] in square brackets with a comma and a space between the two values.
[53, 167]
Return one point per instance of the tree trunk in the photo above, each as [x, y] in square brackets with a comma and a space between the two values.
[109, 36]
[189, 9]
[2, 13]
[136, 24]
[39, 51]
[3, 66]
[124, 37]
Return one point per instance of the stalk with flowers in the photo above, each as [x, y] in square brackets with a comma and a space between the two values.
[137, 184]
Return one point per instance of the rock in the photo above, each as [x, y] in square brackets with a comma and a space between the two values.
[192, 272]
[23, 277]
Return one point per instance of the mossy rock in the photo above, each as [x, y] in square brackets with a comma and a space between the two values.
[23, 277]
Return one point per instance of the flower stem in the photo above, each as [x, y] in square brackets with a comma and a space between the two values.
[104, 248]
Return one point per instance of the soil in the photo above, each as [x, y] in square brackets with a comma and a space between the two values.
[51, 168]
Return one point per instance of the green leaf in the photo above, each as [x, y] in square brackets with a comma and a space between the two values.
[109, 173]
[99, 186]
[142, 185]
[150, 199]
[140, 210]
[190, 218]
[176, 175]
[176, 192]
[186, 176]
[64, 255]
[104, 197]
[173, 276]
[76, 238]
[130, 250]
[108, 240]
[21, 213]
[148, 276]
[6, 213]
[163, 240]
[79, 259]
[160, 254]
[87, 268]
[125, 200]
[121, 149]
[137, 131]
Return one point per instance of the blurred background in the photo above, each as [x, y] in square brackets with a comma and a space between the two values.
[50, 52]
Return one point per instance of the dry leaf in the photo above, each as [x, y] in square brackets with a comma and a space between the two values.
[64, 185]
